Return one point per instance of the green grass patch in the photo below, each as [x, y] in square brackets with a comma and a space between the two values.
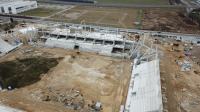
[139, 19]
[159, 2]
[41, 12]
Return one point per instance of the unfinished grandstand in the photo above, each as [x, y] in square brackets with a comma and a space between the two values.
[78, 68]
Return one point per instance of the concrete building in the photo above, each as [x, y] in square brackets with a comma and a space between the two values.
[103, 43]
[16, 6]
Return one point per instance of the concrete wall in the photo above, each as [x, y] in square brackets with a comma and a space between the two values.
[52, 42]
[27, 6]
[83, 45]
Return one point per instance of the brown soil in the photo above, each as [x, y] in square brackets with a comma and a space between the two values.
[169, 20]
[182, 88]
[88, 76]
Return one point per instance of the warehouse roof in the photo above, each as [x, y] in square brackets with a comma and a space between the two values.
[14, 2]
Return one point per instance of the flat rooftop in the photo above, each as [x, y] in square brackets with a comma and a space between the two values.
[145, 89]
[14, 2]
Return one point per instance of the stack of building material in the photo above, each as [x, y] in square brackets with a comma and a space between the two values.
[108, 44]
[186, 66]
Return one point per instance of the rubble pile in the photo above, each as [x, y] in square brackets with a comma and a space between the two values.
[71, 98]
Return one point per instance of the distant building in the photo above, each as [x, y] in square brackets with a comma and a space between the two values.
[16, 6]
[198, 1]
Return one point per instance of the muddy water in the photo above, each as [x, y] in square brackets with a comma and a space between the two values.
[23, 72]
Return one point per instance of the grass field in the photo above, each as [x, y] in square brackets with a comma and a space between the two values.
[116, 17]
[103, 16]
[41, 12]
[135, 1]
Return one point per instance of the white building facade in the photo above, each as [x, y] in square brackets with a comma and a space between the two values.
[102, 43]
[16, 6]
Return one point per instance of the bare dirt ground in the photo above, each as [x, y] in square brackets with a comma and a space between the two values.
[182, 88]
[46, 10]
[117, 17]
[85, 76]
[157, 19]
[170, 20]
[196, 54]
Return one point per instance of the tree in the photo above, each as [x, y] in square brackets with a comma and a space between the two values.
[195, 16]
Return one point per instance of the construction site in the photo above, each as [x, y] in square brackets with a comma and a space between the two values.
[68, 59]
[73, 67]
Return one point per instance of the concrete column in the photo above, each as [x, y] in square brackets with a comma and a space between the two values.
[103, 42]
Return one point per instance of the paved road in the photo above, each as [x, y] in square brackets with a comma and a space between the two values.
[184, 37]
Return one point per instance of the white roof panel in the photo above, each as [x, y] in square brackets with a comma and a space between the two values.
[145, 93]
[5, 47]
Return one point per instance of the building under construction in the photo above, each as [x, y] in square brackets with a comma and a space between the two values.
[94, 70]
